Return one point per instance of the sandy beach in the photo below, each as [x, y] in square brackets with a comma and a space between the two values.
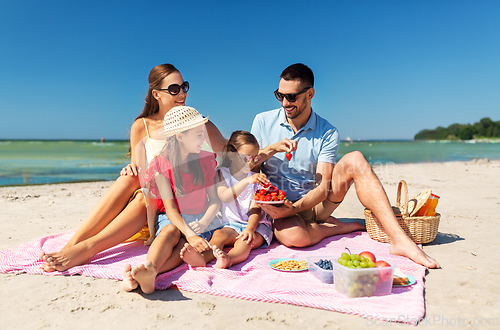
[464, 293]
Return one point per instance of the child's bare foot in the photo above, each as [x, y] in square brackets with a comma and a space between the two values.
[129, 283]
[407, 248]
[223, 259]
[77, 255]
[145, 275]
[191, 256]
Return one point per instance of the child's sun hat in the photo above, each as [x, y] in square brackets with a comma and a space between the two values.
[180, 119]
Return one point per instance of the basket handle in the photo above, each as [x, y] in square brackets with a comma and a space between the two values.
[404, 187]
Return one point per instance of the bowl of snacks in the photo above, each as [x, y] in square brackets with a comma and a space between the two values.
[322, 268]
[358, 276]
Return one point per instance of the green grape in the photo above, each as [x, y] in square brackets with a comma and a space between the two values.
[345, 256]
[349, 263]
[355, 263]
[371, 264]
[363, 264]
[362, 259]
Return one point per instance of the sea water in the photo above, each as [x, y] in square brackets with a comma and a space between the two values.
[37, 162]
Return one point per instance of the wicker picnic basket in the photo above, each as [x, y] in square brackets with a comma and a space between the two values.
[420, 229]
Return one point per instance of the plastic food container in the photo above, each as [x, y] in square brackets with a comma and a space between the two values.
[364, 282]
[325, 276]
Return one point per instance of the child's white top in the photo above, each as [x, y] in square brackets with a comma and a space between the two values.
[237, 210]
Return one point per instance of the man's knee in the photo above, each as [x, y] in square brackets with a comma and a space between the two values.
[353, 163]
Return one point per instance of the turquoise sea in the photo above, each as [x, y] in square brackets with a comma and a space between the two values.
[37, 162]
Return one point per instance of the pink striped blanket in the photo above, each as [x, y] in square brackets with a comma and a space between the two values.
[251, 280]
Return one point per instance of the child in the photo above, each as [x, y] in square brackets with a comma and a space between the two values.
[245, 225]
[180, 179]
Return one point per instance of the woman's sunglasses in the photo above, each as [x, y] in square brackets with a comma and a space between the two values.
[290, 97]
[175, 89]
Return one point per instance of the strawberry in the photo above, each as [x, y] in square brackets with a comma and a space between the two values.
[288, 156]
[262, 192]
[272, 189]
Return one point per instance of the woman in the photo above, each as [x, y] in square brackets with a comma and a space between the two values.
[121, 211]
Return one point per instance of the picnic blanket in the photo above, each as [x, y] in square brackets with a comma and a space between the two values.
[251, 280]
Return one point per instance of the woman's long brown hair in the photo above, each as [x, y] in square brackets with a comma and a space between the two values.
[155, 78]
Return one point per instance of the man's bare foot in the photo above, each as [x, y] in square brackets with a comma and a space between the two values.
[145, 275]
[223, 259]
[407, 248]
[129, 283]
[343, 227]
[191, 256]
[77, 255]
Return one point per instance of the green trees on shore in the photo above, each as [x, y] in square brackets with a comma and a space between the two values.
[485, 128]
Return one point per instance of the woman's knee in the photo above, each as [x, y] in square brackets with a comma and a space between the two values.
[293, 237]
[128, 183]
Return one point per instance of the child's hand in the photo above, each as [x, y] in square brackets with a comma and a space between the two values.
[259, 178]
[150, 240]
[198, 227]
[198, 243]
[247, 235]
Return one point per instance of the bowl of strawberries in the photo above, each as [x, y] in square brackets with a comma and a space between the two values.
[269, 195]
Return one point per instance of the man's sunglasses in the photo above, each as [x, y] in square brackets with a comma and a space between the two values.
[290, 97]
[175, 89]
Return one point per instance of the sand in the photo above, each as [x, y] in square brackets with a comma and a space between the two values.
[465, 292]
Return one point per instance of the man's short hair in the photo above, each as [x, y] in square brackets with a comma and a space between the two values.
[299, 71]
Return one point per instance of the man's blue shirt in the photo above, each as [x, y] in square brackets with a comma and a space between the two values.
[317, 141]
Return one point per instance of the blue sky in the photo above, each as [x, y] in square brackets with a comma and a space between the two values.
[383, 69]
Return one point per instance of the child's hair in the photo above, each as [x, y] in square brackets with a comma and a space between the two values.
[172, 152]
[237, 139]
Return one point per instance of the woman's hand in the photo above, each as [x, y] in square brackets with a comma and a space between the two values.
[130, 169]
[198, 227]
[247, 235]
[199, 243]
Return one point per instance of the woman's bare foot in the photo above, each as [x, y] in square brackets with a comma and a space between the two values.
[63, 260]
[129, 283]
[191, 256]
[223, 259]
[407, 248]
[145, 275]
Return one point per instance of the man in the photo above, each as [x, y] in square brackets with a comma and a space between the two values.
[314, 183]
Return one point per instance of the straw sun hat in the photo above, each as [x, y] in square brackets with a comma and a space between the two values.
[180, 119]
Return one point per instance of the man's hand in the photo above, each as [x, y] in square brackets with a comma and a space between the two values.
[287, 210]
[285, 145]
